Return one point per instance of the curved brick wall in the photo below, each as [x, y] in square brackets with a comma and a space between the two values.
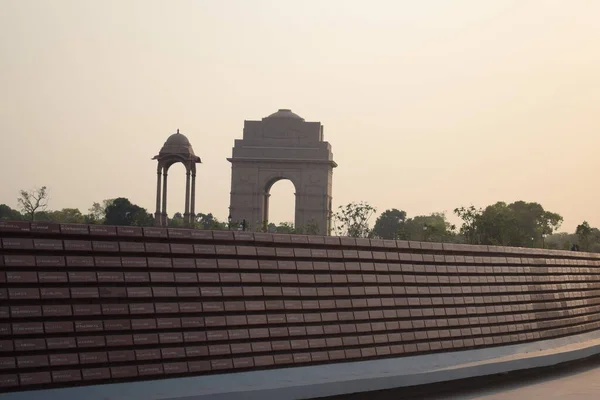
[83, 304]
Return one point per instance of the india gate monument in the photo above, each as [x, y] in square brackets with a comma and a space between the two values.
[282, 146]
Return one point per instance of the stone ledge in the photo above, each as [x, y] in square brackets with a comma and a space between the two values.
[336, 379]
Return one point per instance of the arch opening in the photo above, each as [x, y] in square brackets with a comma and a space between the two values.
[280, 215]
[177, 181]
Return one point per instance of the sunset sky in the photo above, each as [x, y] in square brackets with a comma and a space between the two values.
[428, 105]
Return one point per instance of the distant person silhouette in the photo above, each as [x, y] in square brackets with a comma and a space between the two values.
[575, 247]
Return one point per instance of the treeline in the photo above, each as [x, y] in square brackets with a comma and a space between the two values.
[519, 224]
[120, 211]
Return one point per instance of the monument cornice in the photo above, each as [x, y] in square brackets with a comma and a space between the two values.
[281, 160]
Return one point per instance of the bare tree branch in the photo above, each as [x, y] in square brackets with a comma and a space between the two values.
[33, 201]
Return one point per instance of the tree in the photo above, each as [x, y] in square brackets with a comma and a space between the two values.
[208, 221]
[123, 212]
[353, 219]
[97, 211]
[176, 221]
[8, 214]
[470, 216]
[64, 216]
[427, 228]
[388, 223]
[587, 236]
[33, 201]
[285, 227]
[517, 224]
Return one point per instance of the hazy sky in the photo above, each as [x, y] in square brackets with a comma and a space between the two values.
[428, 105]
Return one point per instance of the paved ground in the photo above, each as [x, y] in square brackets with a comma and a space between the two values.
[574, 381]
[569, 383]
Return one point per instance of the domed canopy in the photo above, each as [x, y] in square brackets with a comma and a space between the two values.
[178, 145]
[285, 113]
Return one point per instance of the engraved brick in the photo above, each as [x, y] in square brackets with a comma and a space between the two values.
[58, 327]
[23, 345]
[93, 374]
[196, 351]
[7, 363]
[123, 372]
[243, 362]
[132, 247]
[84, 293]
[32, 361]
[134, 262]
[15, 226]
[197, 336]
[19, 261]
[199, 366]
[112, 292]
[119, 340]
[170, 337]
[155, 232]
[5, 313]
[55, 293]
[145, 338]
[157, 248]
[131, 231]
[109, 262]
[213, 306]
[80, 261]
[17, 244]
[204, 249]
[48, 244]
[63, 359]
[117, 325]
[110, 277]
[230, 264]
[179, 233]
[159, 262]
[192, 322]
[87, 309]
[90, 341]
[66, 375]
[219, 349]
[162, 277]
[175, 368]
[21, 277]
[82, 277]
[102, 230]
[52, 277]
[173, 352]
[147, 354]
[139, 292]
[150, 369]
[121, 356]
[34, 378]
[77, 245]
[104, 246]
[168, 323]
[60, 343]
[139, 324]
[23, 293]
[263, 361]
[178, 248]
[164, 292]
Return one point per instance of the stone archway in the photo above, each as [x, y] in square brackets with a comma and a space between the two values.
[267, 198]
[282, 146]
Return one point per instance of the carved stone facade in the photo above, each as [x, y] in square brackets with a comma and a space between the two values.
[282, 146]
